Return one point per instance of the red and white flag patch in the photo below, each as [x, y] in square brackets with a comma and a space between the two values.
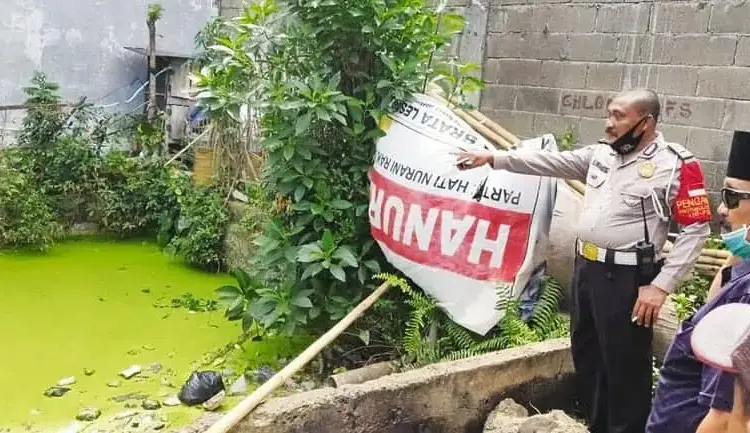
[691, 205]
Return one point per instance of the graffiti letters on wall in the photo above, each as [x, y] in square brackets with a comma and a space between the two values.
[595, 105]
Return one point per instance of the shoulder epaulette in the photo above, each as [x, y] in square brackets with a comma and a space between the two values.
[680, 150]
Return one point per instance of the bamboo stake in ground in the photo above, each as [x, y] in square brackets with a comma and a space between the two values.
[253, 400]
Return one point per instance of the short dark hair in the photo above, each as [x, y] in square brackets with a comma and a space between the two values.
[647, 102]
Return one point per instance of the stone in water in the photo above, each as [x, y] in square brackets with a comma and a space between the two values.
[151, 423]
[89, 371]
[56, 391]
[89, 414]
[239, 386]
[151, 405]
[308, 385]
[130, 371]
[172, 401]
[113, 383]
[154, 367]
[264, 374]
[66, 381]
[130, 396]
[124, 415]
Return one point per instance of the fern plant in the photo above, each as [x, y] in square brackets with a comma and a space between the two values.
[431, 336]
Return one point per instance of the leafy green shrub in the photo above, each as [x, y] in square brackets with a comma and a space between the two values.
[25, 218]
[45, 119]
[322, 74]
[55, 153]
[567, 140]
[67, 175]
[259, 208]
[59, 174]
[198, 226]
[715, 242]
[431, 336]
[691, 295]
[134, 193]
[251, 301]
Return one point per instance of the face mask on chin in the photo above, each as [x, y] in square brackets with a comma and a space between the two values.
[628, 142]
[736, 242]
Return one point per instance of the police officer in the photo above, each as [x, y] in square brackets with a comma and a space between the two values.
[691, 396]
[636, 182]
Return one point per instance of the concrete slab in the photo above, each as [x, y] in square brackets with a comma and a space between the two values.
[447, 397]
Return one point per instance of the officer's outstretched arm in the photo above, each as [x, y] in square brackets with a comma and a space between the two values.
[692, 212]
[569, 164]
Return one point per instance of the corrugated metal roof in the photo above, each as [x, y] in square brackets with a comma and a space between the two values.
[159, 53]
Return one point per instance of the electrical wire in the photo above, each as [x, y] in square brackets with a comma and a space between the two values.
[139, 90]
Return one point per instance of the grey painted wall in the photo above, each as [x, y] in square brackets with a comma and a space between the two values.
[79, 43]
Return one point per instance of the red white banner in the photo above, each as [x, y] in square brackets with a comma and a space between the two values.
[460, 235]
[470, 239]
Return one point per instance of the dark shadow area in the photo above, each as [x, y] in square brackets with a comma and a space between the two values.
[539, 396]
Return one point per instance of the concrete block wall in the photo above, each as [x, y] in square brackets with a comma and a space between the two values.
[553, 64]
[231, 8]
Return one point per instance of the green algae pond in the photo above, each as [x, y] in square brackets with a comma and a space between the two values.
[90, 309]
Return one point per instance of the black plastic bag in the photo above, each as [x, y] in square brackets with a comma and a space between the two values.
[200, 387]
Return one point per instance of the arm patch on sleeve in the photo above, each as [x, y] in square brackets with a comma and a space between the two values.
[691, 204]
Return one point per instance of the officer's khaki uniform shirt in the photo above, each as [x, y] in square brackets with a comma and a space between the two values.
[611, 216]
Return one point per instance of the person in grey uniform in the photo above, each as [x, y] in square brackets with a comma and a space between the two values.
[636, 183]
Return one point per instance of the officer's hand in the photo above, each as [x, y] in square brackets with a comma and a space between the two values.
[646, 309]
[469, 160]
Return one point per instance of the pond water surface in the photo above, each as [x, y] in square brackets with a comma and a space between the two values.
[97, 306]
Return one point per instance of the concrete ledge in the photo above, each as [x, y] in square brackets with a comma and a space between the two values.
[447, 397]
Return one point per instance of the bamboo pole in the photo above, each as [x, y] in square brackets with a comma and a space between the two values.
[485, 131]
[481, 118]
[189, 145]
[231, 418]
[476, 118]
[710, 269]
[704, 260]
